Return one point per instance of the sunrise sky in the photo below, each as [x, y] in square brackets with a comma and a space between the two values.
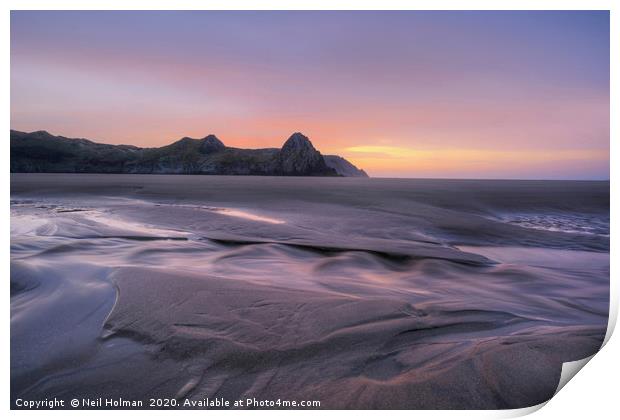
[402, 94]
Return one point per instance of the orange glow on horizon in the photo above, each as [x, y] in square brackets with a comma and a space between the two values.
[446, 162]
[397, 106]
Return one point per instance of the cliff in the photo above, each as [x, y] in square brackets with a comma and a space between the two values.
[40, 151]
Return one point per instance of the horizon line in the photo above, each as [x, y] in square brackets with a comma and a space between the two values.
[172, 141]
[315, 177]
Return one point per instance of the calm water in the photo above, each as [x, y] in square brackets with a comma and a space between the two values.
[140, 286]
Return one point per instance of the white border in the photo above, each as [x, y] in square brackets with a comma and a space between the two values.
[312, 5]
[592, 394]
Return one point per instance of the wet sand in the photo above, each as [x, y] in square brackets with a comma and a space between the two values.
[359, 293]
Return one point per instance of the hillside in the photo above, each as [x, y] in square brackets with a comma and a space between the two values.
[41, 151]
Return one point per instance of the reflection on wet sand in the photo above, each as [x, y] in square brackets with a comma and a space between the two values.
[360, 293]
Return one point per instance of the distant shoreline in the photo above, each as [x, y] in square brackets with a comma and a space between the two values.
[42, 152]
[317, 176]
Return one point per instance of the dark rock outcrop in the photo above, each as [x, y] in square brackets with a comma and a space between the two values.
[40, 151]
[211, 144]
[343, 167]
[299, 157]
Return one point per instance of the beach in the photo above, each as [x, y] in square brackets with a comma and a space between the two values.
[360, 293]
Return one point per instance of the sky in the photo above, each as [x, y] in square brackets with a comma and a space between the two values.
[431, 94]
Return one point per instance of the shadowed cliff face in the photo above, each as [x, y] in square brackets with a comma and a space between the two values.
[42, 152]
[344, 167]
[299, 157]
[211, 144]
